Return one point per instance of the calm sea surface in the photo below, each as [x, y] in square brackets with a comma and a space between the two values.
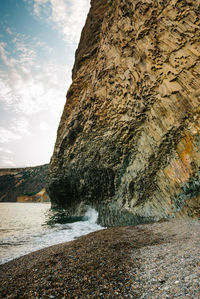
[26, 227]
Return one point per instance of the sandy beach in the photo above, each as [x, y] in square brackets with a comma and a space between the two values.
[159, 260]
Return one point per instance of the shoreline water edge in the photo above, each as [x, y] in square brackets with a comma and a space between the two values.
[145, 261]
[28, 227]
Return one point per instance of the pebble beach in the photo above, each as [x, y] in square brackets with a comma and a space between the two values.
[159, 260]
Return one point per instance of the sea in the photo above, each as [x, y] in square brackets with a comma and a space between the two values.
[27, 227]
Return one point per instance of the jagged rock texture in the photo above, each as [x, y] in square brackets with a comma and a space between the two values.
[23, 184]
[128, 141]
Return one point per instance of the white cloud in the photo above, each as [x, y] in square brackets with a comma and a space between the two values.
[30, 85]
[43, 45]
[9, 31]
[5, 90]
[23, 50]
[6, 162]
[37, 5]
[69, 16]
[27, 56]
[32, 81]
[31, 95]
[18, 129]
[7, 135]
[6, 150]
[21, 126]
[27, 89]
[59, 11]
[44, 126]
[3, 54]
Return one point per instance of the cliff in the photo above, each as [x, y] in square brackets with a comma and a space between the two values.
[23, 184]
[128, 141]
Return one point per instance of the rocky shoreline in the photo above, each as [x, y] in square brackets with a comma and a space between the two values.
[159, 260]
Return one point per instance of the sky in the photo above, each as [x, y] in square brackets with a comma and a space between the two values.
[38, 39]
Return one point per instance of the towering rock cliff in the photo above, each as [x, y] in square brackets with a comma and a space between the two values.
[128, 141]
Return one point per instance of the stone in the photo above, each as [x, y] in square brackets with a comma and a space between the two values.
[128, 140]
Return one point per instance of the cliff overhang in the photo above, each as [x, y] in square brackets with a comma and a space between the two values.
[128, 141]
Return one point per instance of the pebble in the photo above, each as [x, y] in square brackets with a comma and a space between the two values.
[175, 266]
[154, 261]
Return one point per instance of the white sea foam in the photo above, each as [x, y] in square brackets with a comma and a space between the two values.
[18, 238]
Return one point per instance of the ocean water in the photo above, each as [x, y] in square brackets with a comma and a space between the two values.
[27, 227]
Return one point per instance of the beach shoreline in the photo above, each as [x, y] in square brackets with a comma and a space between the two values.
[144, 261]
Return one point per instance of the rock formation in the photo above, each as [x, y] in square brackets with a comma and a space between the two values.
[41, 196]
[23, 184]
[128, 141]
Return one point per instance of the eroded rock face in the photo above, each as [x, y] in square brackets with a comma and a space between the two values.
[128, 141]
[23, 184]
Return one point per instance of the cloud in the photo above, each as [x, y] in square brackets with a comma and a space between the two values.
[43, 45]
[6, 150]
[7, 162]
[3, 54]
[25, 59]
[18, 129]
[21, 126]
[29, 85]
[44, 126]
[6, 159]
[7, 135]
[33, 84]
[68, 16]
[9, 31]
[5, 90]
[37, 5]
[27, 56]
